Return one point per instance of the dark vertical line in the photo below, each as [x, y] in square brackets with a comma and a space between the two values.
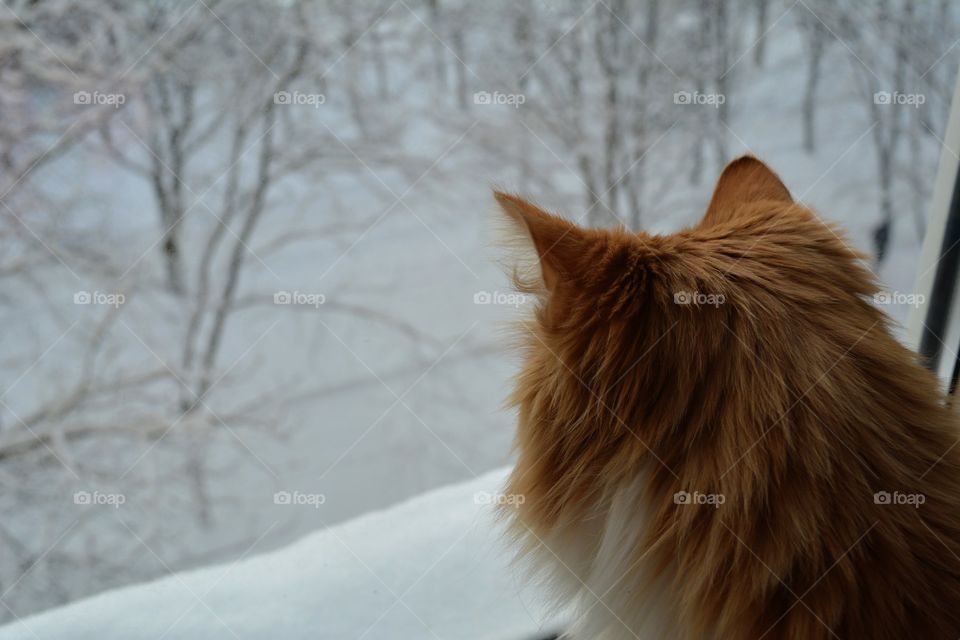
[954, 375]
[944, 283]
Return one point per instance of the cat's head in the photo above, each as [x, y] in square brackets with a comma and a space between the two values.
[672, 353]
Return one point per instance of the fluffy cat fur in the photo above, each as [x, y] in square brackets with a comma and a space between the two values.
[778, 390]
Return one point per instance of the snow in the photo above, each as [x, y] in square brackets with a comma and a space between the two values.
[431, 567]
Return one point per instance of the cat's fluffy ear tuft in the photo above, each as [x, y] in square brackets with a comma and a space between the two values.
[545, 247]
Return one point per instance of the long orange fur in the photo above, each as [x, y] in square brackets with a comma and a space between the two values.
[783, 391]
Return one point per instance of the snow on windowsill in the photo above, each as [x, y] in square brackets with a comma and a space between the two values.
[432, 567]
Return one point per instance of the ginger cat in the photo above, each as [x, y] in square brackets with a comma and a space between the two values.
[719, 437]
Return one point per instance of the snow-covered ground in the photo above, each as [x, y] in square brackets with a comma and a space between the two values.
[431, 567]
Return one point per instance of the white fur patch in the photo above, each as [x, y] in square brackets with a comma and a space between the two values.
[594, 569]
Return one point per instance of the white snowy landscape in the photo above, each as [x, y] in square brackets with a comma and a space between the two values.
[253, 319]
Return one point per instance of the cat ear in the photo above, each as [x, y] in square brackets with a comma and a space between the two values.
[744, 181]
[555, 244]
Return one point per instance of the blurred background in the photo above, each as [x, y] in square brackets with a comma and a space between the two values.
[246, 279]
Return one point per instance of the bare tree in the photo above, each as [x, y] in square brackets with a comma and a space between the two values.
[209, 111]
[815, 41]
[760, 49]
[893, 89]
